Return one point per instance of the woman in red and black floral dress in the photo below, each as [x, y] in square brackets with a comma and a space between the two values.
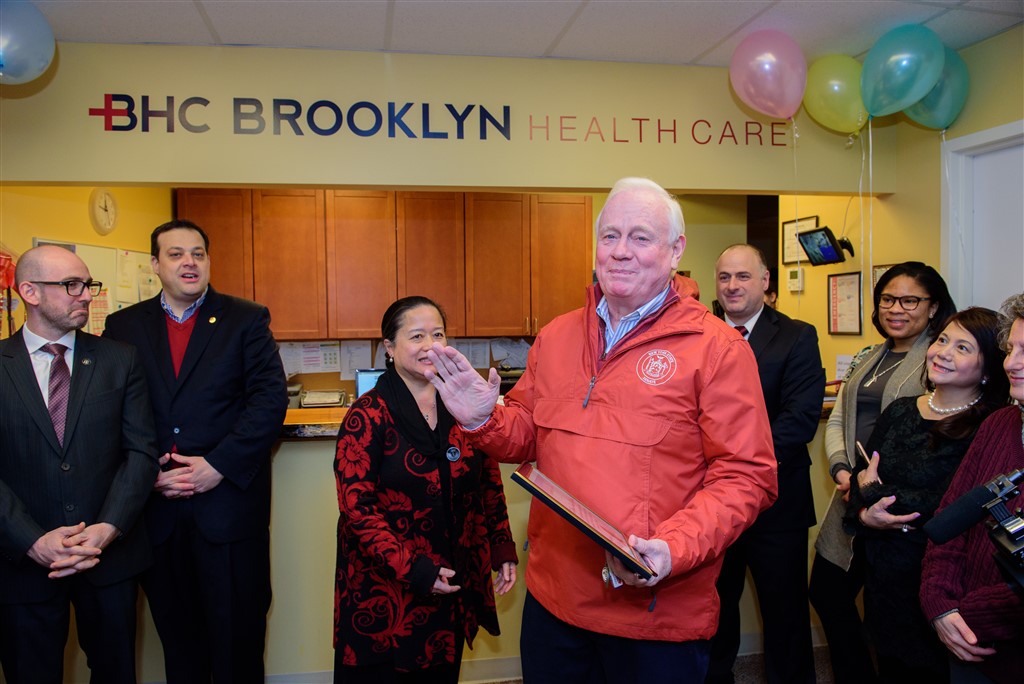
[423, 522]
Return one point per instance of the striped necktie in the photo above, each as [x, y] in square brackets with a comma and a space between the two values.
[60, 388]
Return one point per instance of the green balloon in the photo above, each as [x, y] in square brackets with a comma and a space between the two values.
[940, 107]
[901, 68]
[832, 97]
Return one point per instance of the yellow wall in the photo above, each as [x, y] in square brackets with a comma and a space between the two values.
[905, 225]
[61, 213]
[534, 90]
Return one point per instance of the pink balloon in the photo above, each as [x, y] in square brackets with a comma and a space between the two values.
[769, 73]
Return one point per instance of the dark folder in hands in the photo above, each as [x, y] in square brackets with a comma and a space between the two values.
[585, 520]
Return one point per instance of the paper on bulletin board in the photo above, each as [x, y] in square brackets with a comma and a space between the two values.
[355, 354]
[842, 365]
[509, 352]
[135, 278]
[310, 357]
[478, 351]
[99, 308]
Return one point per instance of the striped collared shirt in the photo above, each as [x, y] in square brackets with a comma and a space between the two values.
[627, 323]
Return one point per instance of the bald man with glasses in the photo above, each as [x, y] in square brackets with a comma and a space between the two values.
[77, 462]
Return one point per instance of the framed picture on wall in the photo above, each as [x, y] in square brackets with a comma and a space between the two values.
[876, 272]
[791, 249]
[844, 304]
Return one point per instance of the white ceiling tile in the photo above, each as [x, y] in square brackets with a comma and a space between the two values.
[350, 25]
[703, 32]
[524, 28]
[673, 32]
[120, 21]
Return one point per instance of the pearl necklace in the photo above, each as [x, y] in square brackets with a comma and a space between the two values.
[947, 411]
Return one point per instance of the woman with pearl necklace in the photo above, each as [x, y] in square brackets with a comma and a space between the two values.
[915, 448]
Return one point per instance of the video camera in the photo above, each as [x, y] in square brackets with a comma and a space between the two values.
[1006, 528]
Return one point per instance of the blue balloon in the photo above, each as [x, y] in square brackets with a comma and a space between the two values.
[900, 69]
[939, 108]
[26, 42]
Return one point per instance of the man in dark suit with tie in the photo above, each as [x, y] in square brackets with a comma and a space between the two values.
[775, 546]
[219, 398]
[77, 462]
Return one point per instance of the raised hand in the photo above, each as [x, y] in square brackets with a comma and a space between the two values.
[469, 398]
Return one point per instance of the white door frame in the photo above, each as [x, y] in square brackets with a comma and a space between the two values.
[958, 201]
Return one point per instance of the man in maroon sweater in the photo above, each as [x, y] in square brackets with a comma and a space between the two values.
[218, 392]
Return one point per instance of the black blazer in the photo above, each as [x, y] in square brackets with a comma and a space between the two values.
[793, 382]
[103, 473]
[227, 404]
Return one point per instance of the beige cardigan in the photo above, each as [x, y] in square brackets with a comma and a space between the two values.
[907, 380]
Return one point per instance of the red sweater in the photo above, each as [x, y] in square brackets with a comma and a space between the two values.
[962, 573]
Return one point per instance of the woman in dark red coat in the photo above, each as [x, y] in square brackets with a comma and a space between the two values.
[423, 522]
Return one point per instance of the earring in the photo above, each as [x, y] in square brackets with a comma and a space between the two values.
[984, 381]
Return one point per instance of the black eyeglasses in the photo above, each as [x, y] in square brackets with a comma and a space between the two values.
[908, 303]
[75, 288]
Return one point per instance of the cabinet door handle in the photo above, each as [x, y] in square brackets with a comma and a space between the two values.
[526, 325]
[534, 326]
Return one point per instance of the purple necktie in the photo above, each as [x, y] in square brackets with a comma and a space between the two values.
[742, 331]
[60, 388]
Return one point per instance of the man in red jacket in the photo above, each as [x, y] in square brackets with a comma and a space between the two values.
[646, 408]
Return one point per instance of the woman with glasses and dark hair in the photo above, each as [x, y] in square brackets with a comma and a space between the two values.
[910, 300]
[915, 448]
[422, 522]
[971, 606]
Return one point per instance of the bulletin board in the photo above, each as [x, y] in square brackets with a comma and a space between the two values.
[127, 278]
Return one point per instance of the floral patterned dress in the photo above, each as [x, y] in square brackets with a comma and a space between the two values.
[403, 516]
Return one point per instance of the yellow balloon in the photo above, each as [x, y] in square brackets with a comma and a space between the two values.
[832, 96]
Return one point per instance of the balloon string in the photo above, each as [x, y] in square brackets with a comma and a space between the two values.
[796, 206]
[871, 201]
[954, 218]
[860, 202]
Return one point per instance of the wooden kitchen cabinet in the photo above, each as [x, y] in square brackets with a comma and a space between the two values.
[362, 279]
[561, 265]
[497, 265]
[289, 261]
[432, 252]
[328, 263]
[225, 215]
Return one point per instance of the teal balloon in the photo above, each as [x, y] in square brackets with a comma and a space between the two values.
[902, 67]
[26, 42]
[939, 108]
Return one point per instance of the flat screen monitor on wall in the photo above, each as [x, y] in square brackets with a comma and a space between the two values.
[821, 246]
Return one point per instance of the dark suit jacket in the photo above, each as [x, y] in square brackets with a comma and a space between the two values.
[103, 473]
[227, 404]
[793, 382]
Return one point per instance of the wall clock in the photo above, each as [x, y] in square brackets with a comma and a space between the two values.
[103, 211]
